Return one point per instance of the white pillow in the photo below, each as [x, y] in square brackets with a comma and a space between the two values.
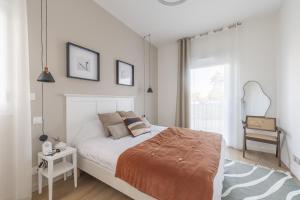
[88, 130]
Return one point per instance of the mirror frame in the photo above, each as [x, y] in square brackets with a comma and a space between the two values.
[260, 86]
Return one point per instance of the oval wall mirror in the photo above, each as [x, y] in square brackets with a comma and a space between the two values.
[255, 101]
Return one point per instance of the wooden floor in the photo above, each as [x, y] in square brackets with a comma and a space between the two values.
[90, 188]
[255, 157]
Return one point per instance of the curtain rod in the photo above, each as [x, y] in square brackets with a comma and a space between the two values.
[235, 25]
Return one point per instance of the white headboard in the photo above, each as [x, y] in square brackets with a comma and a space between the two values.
[83, 108]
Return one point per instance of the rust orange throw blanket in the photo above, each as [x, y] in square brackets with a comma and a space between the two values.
[176, 164]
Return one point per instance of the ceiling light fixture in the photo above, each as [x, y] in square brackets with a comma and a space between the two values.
[171, 2]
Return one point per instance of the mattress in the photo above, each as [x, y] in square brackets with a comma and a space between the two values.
[105, 151]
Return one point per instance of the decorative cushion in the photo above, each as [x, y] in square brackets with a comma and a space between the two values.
[136, 126]
[109, 119]
[128, 114]
[118, 130]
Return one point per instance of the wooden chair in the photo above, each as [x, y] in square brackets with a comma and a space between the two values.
[262, 124]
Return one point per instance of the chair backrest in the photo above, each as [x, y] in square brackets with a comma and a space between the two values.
[261, 123]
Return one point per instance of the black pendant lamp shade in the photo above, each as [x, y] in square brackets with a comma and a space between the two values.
[149, 90]
[46, 76]
[43, 138]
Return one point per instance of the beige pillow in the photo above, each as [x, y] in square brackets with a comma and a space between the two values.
[128, 114]
[109, 119]
[118, 130]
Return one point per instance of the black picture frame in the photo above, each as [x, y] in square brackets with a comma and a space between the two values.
[118, 70]
[97, 54]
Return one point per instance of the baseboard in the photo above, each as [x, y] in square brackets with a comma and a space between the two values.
[295, 169]
[292, 166]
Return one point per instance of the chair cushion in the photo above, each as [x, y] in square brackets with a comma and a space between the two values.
[261, 137]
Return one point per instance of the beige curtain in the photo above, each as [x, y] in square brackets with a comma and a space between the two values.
[183, 84]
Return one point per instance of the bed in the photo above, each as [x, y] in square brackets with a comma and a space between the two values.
[98, 155]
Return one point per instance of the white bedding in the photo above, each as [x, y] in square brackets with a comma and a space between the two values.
[105, 151]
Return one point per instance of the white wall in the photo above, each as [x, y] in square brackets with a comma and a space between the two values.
[258, 52]
[258, 62]
[289, 81]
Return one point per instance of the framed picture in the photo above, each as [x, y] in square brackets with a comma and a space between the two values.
[82, 63]
[125, 73]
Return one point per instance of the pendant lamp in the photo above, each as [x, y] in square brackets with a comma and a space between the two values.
[149, 90]
[45, 76]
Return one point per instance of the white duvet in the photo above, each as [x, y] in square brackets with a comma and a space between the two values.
[105, 151]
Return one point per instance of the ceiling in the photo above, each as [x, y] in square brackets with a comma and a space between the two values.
[167, 24]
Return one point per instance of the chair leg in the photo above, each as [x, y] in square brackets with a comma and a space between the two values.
[279, 153]
[244, 147]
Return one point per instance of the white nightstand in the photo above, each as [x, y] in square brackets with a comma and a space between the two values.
[57, 169]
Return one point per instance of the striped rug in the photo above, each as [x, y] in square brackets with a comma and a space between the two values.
[248, 182]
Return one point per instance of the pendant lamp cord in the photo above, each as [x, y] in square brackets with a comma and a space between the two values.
[47, 33]
[42, 61]
[144, 76]
[149, 59]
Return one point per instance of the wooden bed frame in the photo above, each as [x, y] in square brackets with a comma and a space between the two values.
[83, 108]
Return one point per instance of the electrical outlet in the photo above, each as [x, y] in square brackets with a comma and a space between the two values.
[296, 159]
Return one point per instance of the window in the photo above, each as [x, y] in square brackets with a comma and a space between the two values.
[208, 98]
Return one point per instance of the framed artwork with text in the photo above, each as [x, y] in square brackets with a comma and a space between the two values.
[82, 63]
